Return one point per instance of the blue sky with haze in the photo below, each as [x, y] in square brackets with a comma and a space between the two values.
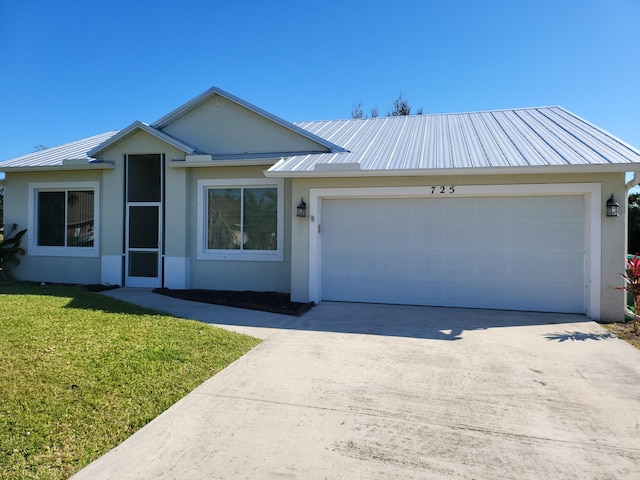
[72, 69]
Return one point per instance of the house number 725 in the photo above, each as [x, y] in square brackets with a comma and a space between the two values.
[442, 189]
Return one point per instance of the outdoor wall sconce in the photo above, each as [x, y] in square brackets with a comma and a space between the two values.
[612, 207]
[302, 208]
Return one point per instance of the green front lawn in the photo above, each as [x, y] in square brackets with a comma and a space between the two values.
[80, 372]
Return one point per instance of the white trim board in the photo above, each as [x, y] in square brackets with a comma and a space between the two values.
[111, 269]
[593, 221]
[176, 272]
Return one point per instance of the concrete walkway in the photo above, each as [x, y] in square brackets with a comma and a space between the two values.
[354, 391]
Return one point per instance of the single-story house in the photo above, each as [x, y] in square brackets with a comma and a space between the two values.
[501, 209]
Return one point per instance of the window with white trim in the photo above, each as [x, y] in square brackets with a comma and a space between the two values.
[240, 220]
[63, 219]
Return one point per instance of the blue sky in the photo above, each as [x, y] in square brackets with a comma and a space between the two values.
[70, 69]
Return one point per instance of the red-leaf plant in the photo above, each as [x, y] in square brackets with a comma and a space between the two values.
[631, 277]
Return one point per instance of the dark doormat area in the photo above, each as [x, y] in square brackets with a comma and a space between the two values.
[274, 302]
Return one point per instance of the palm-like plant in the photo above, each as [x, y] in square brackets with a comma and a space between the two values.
[221, 234]
[631, 277]
[10, 249]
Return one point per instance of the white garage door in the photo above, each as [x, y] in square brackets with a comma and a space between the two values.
[515, 253]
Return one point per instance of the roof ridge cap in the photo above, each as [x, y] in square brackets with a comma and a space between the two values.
[443, 114]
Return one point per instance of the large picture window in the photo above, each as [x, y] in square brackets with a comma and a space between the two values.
[242, 222]
[63, 219]
[242, 218]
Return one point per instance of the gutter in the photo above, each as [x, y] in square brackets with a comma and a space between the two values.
[426, 172]
[49, 168]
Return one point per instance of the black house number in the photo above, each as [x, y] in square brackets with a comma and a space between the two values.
[441, 189]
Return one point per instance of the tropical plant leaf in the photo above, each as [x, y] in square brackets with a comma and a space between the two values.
[631, 277]
[9, 251]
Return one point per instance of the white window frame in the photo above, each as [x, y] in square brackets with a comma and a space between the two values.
[51, 251]
[204, 253]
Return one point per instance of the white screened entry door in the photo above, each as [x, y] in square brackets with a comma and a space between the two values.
[513, 253]
[143, 232]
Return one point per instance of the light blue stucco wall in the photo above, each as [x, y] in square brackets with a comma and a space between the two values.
[82, 270]
[236, 274]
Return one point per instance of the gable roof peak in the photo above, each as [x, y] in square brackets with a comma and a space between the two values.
[179, 112]
[134, 127]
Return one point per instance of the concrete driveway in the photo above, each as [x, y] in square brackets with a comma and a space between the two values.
[355, 391]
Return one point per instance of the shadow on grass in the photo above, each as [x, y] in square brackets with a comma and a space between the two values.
[80, 297]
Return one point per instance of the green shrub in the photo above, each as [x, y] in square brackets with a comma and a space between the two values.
[9, 250]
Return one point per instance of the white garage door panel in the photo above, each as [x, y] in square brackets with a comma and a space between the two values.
[524, 253]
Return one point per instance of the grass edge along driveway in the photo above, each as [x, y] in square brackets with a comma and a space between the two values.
[81, 372]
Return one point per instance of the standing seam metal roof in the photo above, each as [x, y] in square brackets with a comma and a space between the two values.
[54, 156]
[542, 136]
[491, 140]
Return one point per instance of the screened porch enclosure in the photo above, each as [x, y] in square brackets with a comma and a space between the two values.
[144, 220]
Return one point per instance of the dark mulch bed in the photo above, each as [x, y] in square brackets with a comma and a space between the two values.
[101, 288]
[274, 302]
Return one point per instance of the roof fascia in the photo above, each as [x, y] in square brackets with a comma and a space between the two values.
[222, 163]
[190, 105]
[134, 127]
[49, 168]
[257, 155]
[531, 170]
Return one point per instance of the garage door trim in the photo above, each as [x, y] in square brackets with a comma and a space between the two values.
[593, 213]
